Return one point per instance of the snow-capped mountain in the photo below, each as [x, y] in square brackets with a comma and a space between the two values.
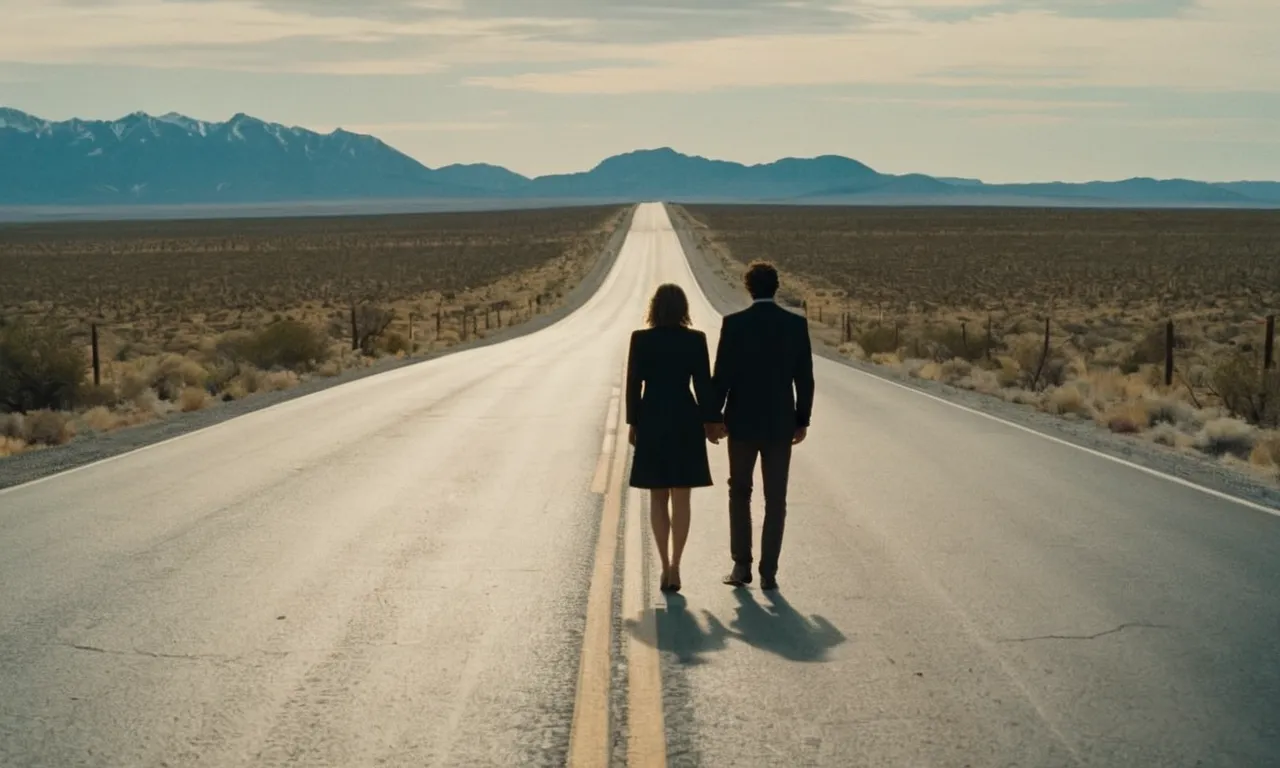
[21, 121]
[177, 159]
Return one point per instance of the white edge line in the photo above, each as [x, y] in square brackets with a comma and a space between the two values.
[238, 419]
[131, 452]
[1100, 454]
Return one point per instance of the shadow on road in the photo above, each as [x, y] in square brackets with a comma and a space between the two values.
[679, 631]
[776, 627]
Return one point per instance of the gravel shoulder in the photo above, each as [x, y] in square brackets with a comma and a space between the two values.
[94, 447]
[1194, 468]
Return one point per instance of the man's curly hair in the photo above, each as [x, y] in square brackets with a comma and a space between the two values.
[761, 280]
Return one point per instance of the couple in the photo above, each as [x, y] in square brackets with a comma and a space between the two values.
[760, 398]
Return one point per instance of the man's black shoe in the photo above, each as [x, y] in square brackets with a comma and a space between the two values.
[738, 577]
[768, 583]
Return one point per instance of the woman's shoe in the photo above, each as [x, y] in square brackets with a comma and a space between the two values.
[674, 581]
[664, 583]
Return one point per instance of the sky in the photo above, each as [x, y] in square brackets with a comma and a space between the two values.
[1002, 90]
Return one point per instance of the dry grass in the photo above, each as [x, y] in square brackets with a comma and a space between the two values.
[191, 313]
[1266, 452]
[37, 428]
[917, 290]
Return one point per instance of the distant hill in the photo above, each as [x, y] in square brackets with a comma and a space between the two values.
[176, 160]
[1150, 190]
[664, 174]
[1266, 191]
[490, 178]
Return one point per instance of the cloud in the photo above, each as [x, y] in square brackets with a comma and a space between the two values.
[1233, 130]
[1224, 44]
[423, 127]
[666, 46]
[983, 104]
[614, 21]
[1253, 129]
[234, 34]
[956, 10]
[1019, 118]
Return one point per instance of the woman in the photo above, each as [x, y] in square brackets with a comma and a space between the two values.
[669, 426]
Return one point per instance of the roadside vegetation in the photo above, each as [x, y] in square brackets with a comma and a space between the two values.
[964, 296]
[190, 314]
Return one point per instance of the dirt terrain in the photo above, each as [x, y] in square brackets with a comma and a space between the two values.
[193, 314]
[962, 296]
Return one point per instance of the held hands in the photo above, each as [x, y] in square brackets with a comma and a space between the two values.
[716, 432]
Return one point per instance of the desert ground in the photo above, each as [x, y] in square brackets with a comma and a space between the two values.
[963, 296]
[193, 313]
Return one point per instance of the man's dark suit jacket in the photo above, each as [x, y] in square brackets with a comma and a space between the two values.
[764, 373]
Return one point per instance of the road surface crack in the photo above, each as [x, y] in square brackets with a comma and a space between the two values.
[153, 654]
[181, 657]
[224, 658]
[1112, 631]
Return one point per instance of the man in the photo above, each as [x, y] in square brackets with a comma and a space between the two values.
[764, 381]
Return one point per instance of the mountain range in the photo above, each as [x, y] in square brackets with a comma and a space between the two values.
[172, 159]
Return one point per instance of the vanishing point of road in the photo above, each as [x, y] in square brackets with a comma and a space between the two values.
[443, 566]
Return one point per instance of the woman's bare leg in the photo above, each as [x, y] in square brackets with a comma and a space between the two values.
[680, 514]
[661, 522]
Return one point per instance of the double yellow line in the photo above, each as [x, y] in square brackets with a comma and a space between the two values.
[590, 742]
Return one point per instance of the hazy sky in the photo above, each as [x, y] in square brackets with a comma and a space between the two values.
[1012, 90]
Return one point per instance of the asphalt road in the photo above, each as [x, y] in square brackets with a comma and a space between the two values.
[399, 571]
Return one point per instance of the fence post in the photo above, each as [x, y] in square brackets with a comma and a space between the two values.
[1168, 354]
[988, 336]
[439, 319]
[97, 367]
[411, 345]
[355, 333]
[1044, 356]
[1268, 361]
[896, 340]
[499, 317]
[964, 338]
[1269, 347]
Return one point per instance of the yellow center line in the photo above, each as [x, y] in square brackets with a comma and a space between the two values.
[591, 733]
[646, 732]
[599, 482]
